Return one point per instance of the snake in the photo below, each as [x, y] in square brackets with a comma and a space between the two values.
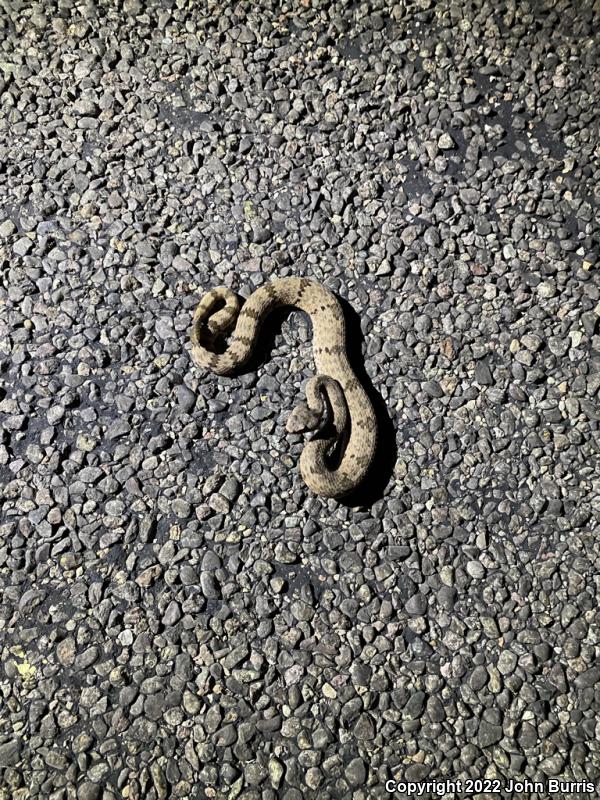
[338, 412]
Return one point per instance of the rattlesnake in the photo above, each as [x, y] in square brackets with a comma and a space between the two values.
[350, 426]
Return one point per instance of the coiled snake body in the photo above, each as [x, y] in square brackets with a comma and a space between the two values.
[338, 408]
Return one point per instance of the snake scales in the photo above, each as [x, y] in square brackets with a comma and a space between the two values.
[338, 409]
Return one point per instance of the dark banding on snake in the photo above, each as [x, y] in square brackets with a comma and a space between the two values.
[304, 284]
[249, 312]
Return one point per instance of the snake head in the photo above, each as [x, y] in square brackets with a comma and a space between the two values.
[303, 419]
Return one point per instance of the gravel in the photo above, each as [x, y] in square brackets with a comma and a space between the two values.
[179, 617]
